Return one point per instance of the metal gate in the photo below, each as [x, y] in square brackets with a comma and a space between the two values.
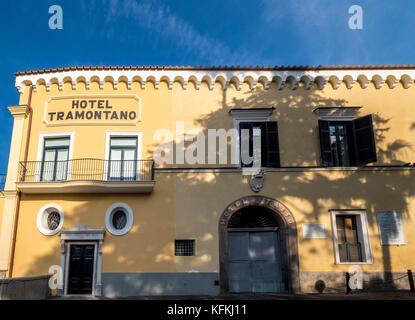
[254, 260]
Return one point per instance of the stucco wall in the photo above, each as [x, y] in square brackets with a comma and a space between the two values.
[1, 208]
[209, 109]
[188, 205]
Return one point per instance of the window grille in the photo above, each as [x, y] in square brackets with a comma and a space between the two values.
[184, 247]
[53, 220]
[119, 220]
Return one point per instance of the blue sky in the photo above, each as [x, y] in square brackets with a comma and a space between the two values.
[187, 32]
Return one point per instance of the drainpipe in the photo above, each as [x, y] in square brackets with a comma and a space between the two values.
[16, 214]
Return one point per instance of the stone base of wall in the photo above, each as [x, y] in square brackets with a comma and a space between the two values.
[33, 288]
[149, 284]
[2, 274]
[336, 281]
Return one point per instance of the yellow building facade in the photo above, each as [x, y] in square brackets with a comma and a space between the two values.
[117, 178]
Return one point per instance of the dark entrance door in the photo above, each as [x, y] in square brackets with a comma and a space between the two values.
[81, 269]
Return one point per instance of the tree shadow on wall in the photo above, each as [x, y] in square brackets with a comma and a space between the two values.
[308, 195]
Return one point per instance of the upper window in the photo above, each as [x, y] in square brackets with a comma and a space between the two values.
[55, 159]
[258, 144]
[347, 143]
[123, 158]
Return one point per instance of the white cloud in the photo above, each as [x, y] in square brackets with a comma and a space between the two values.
[167, 26]
[320, 28]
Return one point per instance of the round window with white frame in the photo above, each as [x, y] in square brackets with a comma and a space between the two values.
[50, 219]
[119, 219]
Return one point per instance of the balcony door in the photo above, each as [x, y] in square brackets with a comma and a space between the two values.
[55, 159]
[123, 159]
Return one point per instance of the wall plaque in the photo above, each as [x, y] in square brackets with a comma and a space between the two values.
[314, 231]
[92, 109]
[391, 228]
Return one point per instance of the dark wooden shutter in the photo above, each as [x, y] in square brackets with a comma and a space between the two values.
[272, 151]
[364, 140]
[245, 125]
[325, 147]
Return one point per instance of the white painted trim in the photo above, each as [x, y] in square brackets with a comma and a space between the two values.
[39, 158]
[363, 234]
[109, 134]
[108, 218]
[42, 216]
[82, 234]
[336, 112]
[320, 77]
[252, 113]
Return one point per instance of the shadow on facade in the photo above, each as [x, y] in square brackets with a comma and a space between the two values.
[308, 195]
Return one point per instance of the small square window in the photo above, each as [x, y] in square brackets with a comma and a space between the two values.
[184, 248]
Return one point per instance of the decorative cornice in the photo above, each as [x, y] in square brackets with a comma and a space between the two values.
[251, 113]
[83, 232]
[19, 110]
[336, 111]
[307, 75]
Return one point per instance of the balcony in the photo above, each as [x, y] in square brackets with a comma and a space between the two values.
[86, 176]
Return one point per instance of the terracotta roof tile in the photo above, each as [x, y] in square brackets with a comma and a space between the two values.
[265, 68]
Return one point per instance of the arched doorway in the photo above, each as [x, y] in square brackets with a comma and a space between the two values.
[258, 247]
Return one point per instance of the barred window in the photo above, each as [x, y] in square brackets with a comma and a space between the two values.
[184, 247]
[53, 220]
[119, 219]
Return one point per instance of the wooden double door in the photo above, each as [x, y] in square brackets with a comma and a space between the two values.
[254, 260]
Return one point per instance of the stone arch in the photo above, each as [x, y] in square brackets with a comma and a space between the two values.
[288, 238]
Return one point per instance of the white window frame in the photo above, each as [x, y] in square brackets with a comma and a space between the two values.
[129, 215]
[362, 233]
[40, 219]
[47, 135]
[126, 134]
[82, 234]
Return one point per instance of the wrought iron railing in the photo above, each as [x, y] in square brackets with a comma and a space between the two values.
[2, 181]
[86, 169]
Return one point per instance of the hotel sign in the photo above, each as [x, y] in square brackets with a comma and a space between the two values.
[92, 110]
